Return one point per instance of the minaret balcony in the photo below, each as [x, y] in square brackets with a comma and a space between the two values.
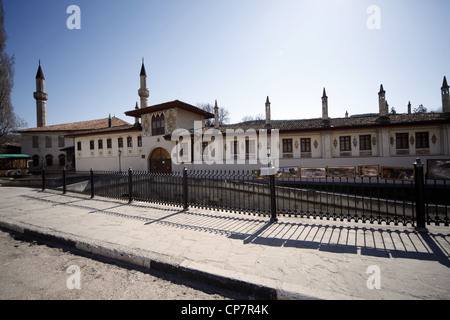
[40, 96]
[143, 93]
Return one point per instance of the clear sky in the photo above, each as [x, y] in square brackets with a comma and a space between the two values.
[236, 51]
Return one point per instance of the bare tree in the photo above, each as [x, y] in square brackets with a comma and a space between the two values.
[224, 114]
[257, 117]
[420, 109]
[8, 120]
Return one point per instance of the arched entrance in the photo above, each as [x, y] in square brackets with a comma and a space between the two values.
[160, 161]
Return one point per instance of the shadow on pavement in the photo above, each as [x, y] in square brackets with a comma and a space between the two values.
[323, 236]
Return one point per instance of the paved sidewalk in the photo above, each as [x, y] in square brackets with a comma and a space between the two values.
[294, 258]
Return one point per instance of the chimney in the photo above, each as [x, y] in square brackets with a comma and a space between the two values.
[383, 106]
[136, 119]
[445, 97]
[216, 116]
[325, 119]
[268, 124]
[109, 121]
[409, 107]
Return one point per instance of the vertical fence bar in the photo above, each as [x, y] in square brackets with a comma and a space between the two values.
[446, 219]
[92, 182]
[420, 203]
[130, 185]
[185, 189]
[436, 210]
[273, 199]
[64, 180]
[43, 179]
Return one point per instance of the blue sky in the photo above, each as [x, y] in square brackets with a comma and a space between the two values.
[237, 52]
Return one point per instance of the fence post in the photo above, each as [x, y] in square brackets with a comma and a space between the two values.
[420, 193]
[64, 180]
[272, 189]
[92, 183]
[130, 185]
[185, 189]
[273, 199]
[43, 179]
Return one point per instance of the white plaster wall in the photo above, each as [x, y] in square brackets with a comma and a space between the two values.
[107, 159]
[43, 150]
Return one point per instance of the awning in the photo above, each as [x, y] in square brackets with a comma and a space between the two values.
[13, 156]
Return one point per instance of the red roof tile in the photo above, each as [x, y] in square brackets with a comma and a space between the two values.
[169, 105]
[79, 126]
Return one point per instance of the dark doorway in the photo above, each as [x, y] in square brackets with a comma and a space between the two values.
[160, 161]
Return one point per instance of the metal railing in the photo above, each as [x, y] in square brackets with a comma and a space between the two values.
[372, 200]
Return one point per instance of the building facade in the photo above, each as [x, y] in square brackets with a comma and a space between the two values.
[173, 136]
[170, 136]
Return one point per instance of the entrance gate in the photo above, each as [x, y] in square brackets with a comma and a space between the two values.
[160, 161]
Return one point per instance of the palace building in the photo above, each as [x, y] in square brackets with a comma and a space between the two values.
[169, 136]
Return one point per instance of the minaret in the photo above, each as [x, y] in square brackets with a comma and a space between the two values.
[216, 116]
[445, 97]
[383, 106]
[325, 119]
[268, 112]
[143, 91]
[41, 98]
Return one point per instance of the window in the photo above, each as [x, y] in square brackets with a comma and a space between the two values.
[120, 142]
[48, 142]
[35, 142]
[109, 143]
[100, 144]
[130, 142]
[422, 141]
[61, 141]
[205, 149]
[344, 143]
[365, 143]
[79, 145]
[158, 125]
[305, 144]
[287, 145]
[91, 145]
[250, 149]
[62, 160]
[49, 160]
[139, 141]
[401, 141]
[35, 160]
[182, 148]
[234, 148]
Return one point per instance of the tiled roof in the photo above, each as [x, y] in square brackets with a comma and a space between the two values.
[80, 126]
[116, 129]
[169, 105]
[362, 121]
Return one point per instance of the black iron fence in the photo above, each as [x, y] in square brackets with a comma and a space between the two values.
[372, 200]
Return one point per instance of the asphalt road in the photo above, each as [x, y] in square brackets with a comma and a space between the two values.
[31, 270]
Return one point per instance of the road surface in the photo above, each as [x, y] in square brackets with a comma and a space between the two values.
[33, 270]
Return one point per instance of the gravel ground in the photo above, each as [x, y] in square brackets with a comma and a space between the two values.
[32, 270]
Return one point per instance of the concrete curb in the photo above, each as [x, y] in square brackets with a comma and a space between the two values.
[133, 259]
